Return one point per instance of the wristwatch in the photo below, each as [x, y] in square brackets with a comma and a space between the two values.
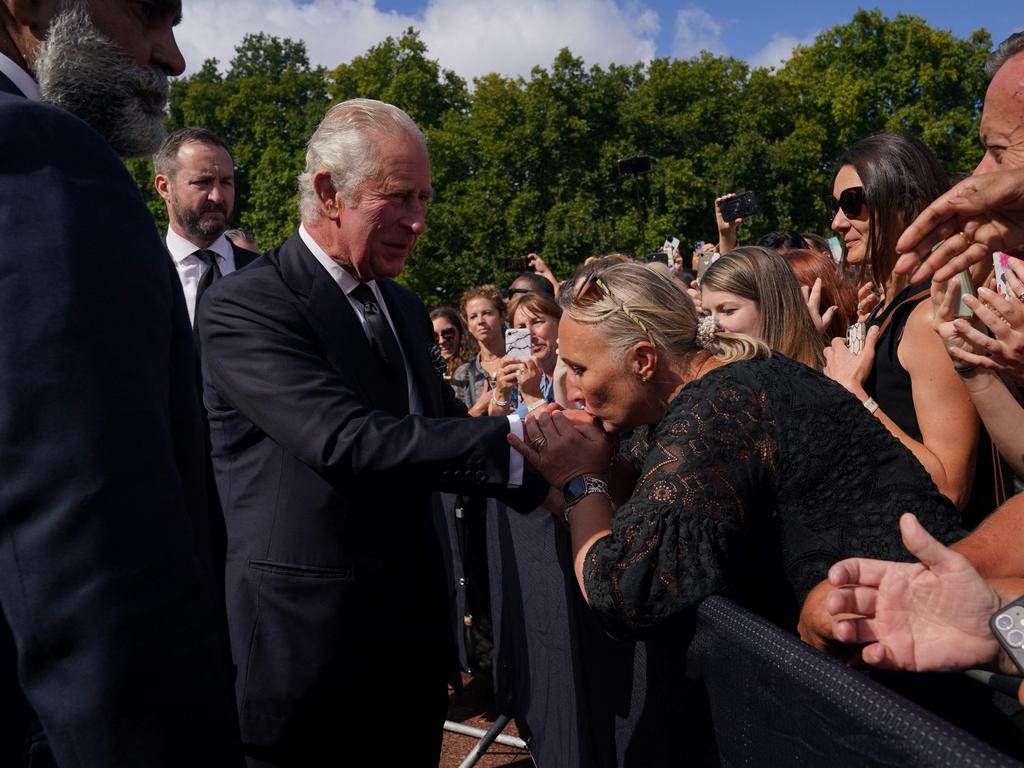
[582, 485]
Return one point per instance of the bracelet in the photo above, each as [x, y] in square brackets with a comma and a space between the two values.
[871, 404]
[500, 403]
[535, 406]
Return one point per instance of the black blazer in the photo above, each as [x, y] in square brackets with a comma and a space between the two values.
[326, 494]
[104, 560]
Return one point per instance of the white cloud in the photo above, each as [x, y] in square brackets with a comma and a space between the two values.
[472, 38]
[778, 50]
[696, 31]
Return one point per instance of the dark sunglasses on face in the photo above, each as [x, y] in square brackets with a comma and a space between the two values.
[445, 333]
[851, 202]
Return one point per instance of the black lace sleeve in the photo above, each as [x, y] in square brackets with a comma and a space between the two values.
[673, 542]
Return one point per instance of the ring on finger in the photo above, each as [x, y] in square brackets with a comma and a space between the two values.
[967, 238]
[538, 442]
[1020, 297]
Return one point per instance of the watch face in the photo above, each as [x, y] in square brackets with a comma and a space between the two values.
[574, 488]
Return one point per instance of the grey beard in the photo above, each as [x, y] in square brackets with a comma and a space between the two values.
[81, 70]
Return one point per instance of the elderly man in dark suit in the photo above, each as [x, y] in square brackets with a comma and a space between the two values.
[331, 427]
[109, 650]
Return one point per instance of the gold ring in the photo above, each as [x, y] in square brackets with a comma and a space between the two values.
[969, 240]
[538, 442]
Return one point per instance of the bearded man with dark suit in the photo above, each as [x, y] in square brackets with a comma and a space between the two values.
[109, 647]
[195, 177]
[329, 437]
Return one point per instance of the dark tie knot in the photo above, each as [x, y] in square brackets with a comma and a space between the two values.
[364, 295]
[209, 258]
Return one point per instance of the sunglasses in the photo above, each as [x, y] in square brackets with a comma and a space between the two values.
[446, 333]
[595, 283]
[850, 202]
[511, 292]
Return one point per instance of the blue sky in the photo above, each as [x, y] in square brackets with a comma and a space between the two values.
[511, 36]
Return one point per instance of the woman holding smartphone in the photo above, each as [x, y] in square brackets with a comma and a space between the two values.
[531, 381]
[903, 375]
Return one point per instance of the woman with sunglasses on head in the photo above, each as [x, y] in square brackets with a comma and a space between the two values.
[455, 345]
[903, 376]
[746, 473]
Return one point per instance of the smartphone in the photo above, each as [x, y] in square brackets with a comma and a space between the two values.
[706, 259]
[516, 264]
[739, 206]
[966, 289]
[517, 343]
[855, 336]
[1008, 627]
[1001, 265]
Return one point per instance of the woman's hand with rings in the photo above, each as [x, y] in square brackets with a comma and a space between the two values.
[527, 373]
[560, 449]
[849, 369]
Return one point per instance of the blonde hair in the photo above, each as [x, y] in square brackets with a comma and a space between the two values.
[764, 276]
[661, 304]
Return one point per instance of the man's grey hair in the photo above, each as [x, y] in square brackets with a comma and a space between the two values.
[347, 145]
[1005, 51]
[165, 160]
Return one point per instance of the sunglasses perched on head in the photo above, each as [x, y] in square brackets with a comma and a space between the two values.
[850, 202]
[594, 284]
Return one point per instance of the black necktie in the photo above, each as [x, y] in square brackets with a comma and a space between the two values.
[209, 258]
[384, 344]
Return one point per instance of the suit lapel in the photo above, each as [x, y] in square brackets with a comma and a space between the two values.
[405, 315]
[332, 317]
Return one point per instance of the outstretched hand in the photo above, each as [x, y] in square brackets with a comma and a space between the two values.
[982, 214]
[931, 615]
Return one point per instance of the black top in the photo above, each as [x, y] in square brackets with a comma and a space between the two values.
[761, 475]
[888, 382]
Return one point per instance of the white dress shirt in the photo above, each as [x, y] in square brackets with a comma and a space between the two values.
[191, 268]
[348, 283]
[22, 79]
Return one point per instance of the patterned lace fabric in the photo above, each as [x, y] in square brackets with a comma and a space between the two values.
[760, 476]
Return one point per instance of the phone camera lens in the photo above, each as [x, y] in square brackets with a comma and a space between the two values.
[1015, 638]
[1004, 621]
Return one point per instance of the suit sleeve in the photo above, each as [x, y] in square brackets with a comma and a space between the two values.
[262, 356]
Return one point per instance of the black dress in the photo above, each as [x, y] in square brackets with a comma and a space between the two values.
[761, 475]
[889, 383]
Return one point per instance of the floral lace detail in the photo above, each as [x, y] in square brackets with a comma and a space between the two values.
[759, 477]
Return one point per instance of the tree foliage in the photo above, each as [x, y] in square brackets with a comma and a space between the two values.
[530, 164]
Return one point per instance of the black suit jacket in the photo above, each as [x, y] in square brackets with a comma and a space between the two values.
[104, 560]
[327, 494]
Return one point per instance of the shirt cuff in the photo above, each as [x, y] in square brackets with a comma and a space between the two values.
[515, 458]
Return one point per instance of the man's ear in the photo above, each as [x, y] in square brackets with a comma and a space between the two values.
[327, 194]
[35, 15]
[163, 187]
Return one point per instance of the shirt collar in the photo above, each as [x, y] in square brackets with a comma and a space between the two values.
[341, 276]
[180, 248]
[21, 79]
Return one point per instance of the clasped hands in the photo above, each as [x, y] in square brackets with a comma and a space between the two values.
[562, 443]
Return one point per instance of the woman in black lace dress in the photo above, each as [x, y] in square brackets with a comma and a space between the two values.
[746, 474]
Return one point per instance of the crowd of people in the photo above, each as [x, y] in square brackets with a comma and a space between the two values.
[221, 468]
